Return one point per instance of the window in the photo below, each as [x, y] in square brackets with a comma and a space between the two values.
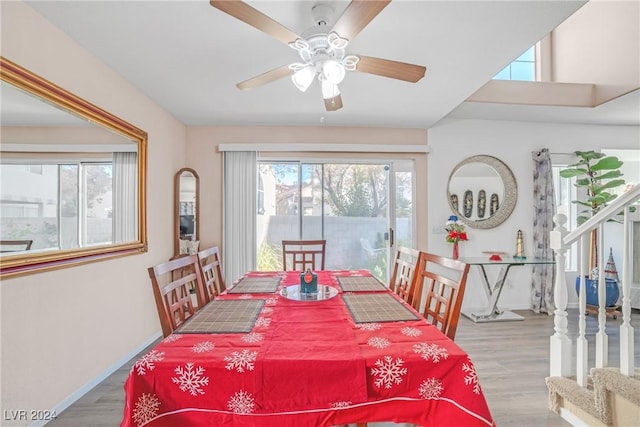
[565, 192]
[345, 203]
[523, 68]
[62, 205]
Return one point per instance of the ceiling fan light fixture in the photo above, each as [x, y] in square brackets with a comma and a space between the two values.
[303, 78]
[329, 90]
[333, 71]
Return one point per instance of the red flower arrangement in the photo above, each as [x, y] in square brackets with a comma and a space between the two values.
[456, 230]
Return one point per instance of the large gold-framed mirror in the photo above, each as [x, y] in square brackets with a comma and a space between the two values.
[73, 185]
[482, 191]
[186, 212]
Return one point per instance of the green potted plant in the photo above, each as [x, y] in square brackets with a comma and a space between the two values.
[596, 175]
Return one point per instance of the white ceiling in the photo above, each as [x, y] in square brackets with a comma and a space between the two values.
[187, 56]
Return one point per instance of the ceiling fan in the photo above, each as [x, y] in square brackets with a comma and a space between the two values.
[322, 49]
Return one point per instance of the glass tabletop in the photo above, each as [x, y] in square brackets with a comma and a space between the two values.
[506, 260]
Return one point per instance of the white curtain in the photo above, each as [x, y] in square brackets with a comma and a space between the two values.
[125, 195]
[239, 236]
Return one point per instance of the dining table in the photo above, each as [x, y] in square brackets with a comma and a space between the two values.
[263, 353]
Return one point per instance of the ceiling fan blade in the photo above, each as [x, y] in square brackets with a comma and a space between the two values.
[356, 16]
[333, 104]
[256, 19]
[264, 78]
[393, 69]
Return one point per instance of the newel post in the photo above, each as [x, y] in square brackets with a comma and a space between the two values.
[560, 345]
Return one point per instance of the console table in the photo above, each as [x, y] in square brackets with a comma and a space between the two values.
[491, 313]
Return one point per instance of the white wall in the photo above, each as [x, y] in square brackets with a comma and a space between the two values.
[63, 330]
[600, 44]
[511, 142]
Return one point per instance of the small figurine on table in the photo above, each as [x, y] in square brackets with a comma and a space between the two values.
[519, 247]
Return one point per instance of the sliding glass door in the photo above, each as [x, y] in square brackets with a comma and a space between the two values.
[348, 204]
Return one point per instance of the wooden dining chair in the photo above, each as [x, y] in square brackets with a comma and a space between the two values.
[404, 265]
[303, 254]
[211, 271]
[172, 282]
[442, 281]
[15, 245]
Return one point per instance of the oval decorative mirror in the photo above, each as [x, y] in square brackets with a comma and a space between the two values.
[74, 178]
[187, 200]
[482, 191]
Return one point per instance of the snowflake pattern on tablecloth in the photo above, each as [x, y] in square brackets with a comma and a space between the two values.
[241, 403]
[146, 408]
[148, 361]
[431, 351]
[430, 388]
[369, 326]
[388, 371]
[172, 338]
[342, 404]
[410, 331]
[241, 361]
[190, 380]
[263, 321]
[245, 296]
[378, 342]
[271, 301]
[252, 337]
[472, 377]
[267, 310]
[203, 347]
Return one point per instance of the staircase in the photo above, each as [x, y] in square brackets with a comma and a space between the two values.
[609, 393]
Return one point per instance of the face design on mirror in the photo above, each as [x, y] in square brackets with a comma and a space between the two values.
[477, 182]
[474, 180]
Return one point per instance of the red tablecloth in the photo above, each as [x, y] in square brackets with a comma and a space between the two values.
[306, 364]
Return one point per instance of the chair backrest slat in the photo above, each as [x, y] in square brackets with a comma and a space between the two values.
[404, 266]
[172, 282]
[442, 281]
[303, 254]
[211, 269]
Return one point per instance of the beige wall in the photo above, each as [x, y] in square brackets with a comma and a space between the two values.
[600, 44]
[63, 329]
[203, 156]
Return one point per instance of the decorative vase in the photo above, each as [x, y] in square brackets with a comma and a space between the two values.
[456, 252]
[612, 291]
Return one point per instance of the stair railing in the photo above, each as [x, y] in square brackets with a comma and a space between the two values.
[560, 344]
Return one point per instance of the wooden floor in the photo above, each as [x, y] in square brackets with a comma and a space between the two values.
[511, 359]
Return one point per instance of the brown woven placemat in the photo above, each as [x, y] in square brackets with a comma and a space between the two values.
[369, 308]
[255, 285]
[224, 316]
[360, 283]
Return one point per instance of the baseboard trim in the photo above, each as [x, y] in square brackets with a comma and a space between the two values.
[69, 400]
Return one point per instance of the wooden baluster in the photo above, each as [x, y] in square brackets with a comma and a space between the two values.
[602, 340]
[582, 345]
[559, 343]
[626, 330]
